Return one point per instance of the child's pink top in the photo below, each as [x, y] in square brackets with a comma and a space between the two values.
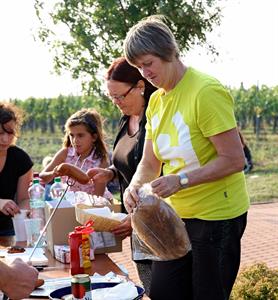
[88, 163]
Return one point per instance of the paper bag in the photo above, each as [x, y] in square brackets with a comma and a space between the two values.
[101, 223]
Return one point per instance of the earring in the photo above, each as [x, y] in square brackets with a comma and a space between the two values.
[142, 93]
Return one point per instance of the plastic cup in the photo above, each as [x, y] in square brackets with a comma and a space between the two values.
[33, 227]
[70, 197]
[19, 227]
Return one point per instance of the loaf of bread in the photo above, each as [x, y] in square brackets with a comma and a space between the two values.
[159, 227]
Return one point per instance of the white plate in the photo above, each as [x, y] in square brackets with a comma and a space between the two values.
[38, 258]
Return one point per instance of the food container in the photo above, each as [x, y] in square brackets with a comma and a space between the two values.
[79, 243]
[62, 292]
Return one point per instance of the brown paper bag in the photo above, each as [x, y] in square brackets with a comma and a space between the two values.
[100, 223]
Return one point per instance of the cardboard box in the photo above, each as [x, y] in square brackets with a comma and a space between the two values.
[62, 253]
[64, 221]
[106, 242]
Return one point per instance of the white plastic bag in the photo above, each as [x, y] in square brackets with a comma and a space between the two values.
[121, 291]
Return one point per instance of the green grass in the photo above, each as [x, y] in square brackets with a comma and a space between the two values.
[39, 145]
[262, 181]
[263, 187]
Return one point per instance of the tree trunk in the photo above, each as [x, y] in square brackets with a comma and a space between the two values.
[275, 124]
[258, 127]
[51, 125]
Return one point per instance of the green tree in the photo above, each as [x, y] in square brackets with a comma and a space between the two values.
[242, 107]
[96, 30]
[274, 108]
[257, 106]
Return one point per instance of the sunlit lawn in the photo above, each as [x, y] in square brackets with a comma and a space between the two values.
[262, 182]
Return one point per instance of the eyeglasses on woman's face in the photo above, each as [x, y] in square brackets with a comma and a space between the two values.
[122, 97]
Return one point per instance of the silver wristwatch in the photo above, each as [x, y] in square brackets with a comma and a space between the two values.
[183, 180]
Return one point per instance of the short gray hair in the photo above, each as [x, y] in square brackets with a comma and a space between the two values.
[150, 36]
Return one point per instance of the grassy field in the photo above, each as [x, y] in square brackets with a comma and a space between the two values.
[262, 182]
[39, 145]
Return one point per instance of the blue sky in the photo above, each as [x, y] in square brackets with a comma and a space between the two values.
[247, 41]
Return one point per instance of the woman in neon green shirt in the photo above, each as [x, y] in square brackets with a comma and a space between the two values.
[191, 130]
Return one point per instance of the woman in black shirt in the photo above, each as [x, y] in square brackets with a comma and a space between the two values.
[15, 171]
[130, 92]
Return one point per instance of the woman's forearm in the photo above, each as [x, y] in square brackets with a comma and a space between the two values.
[144, 173]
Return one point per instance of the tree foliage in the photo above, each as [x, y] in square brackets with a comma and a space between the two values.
[256, 106]
[50, 114]
[97, 30]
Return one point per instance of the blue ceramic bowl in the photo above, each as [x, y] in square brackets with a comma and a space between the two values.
[59, 293]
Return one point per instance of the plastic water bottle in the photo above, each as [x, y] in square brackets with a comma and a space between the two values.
[36, 223]
[37, 203]
[57, 189]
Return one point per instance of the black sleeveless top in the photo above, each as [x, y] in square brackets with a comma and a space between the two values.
[17, 164]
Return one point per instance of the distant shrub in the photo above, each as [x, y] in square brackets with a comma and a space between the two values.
[257, 282]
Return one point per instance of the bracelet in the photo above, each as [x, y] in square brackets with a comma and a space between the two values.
[114, 172]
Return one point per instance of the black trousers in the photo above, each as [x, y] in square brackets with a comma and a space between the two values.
[216, 256]
[172, 280]
[209, 271]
